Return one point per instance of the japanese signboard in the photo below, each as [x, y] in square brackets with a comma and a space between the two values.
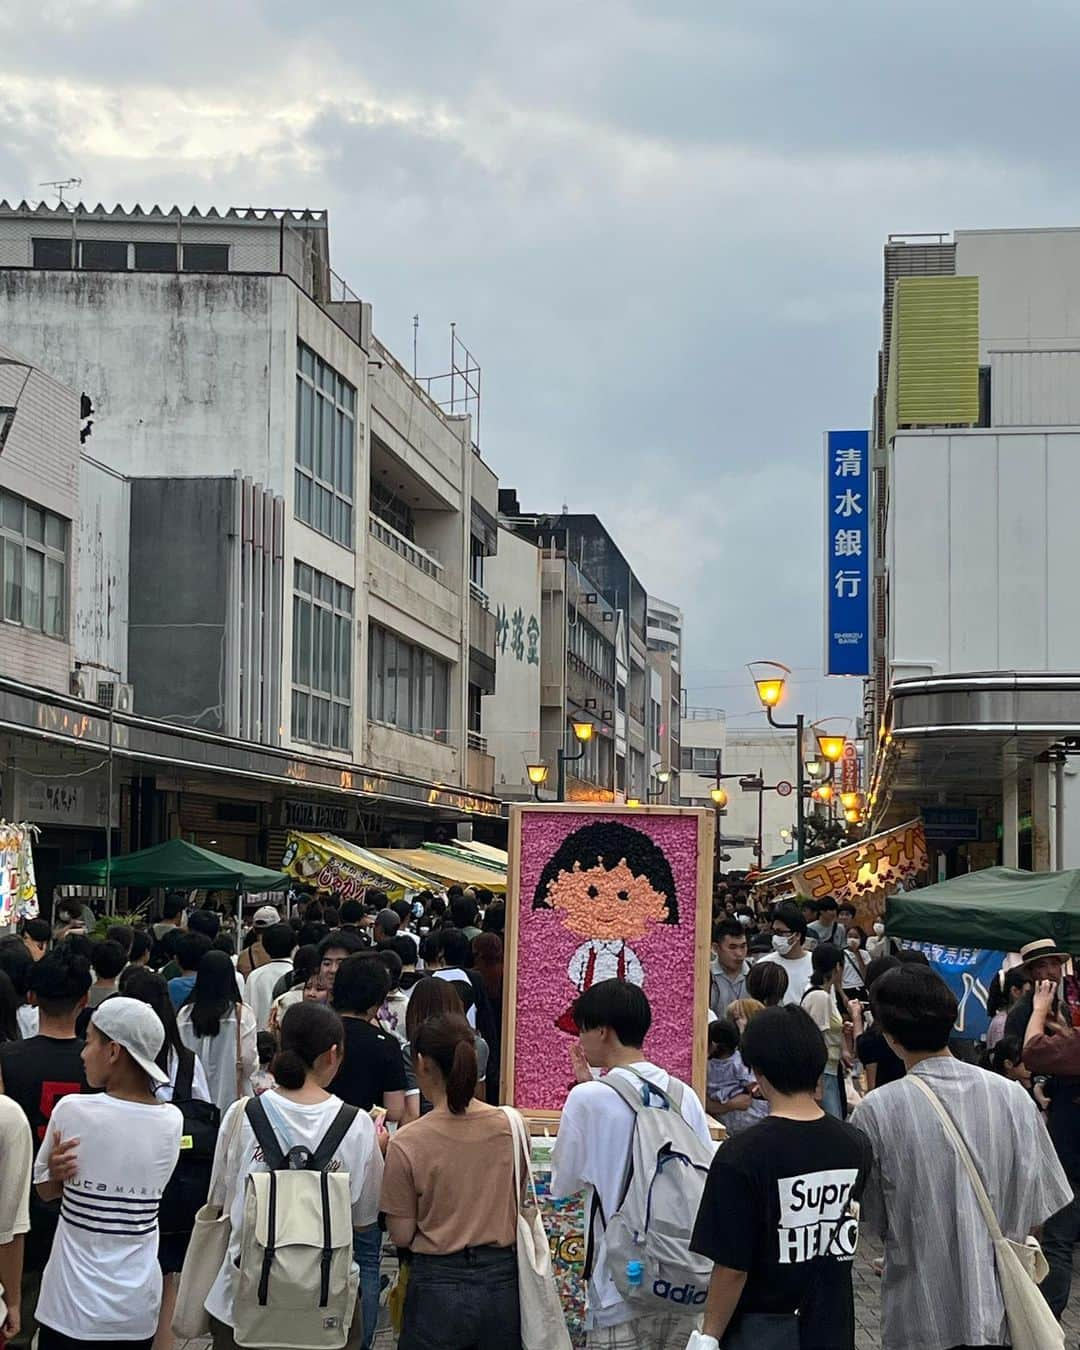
[849, 768]
[847, 553]
[865, 873]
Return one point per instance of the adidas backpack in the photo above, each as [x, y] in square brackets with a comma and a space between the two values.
[647, 1239]
[297, 1284]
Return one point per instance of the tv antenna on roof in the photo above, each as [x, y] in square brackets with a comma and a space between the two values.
[62, 185]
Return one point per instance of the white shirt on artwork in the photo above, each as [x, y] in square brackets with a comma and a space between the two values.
[605, 953]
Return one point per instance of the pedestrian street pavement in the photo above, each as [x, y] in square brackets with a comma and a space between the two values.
[867, 1304]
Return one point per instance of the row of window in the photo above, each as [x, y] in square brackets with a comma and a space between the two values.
[117, 255]
[408, 687]
[322, 659]
[325, 447]
[33, 566]
[587, 644]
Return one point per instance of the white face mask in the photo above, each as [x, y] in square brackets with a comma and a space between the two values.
[879, 929]
[783, 943]
[853, 943]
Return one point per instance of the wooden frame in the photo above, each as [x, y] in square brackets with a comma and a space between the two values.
[706, 829]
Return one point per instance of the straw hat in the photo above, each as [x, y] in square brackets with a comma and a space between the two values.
[1038, 951]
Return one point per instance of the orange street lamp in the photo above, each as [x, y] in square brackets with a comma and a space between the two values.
[538, 774]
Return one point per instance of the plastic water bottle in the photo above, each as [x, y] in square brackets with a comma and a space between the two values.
[635, 1272]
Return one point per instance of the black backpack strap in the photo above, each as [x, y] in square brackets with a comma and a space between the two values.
[185, 1075]
[273, 1155]
[324, 1155]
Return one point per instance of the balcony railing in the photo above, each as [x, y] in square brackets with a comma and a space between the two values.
[477, 742]
[411, 552]
[478, 594]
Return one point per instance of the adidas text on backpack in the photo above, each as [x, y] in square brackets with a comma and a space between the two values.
[655, 1218]
[297, 1284]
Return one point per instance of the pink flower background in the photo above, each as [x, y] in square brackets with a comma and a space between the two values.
[542, 1072]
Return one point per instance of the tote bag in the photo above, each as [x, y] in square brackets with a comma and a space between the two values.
[207, 1247]
[1032, 1326]
[543, 1321]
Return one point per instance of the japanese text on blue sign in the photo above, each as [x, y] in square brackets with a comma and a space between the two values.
[847, 553]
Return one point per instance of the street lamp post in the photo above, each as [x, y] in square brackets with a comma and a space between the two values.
[770, 690]
[663, 778]
[583, 734]
[538, 774]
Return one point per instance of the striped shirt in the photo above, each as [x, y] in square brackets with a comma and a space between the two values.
[940, 1286]
[102, 1281]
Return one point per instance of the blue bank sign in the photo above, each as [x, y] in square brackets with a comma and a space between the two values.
[847, 553]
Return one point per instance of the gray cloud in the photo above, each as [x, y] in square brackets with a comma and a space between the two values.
[657, 225]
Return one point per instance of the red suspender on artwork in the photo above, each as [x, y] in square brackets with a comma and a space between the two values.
[590, 966]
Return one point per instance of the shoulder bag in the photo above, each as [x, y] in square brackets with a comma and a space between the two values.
[1020, 1266]
[207, 1248]
[543, 1321]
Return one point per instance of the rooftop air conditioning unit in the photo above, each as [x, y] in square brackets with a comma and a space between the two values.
[119, 697]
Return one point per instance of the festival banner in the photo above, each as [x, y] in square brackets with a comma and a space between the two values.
[969, 972]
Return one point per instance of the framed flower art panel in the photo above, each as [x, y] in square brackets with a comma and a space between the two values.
[597, 893]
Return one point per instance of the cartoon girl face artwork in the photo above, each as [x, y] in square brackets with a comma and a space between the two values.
[609, 883]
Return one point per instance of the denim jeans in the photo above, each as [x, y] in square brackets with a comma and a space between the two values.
[367, 1247]
[831, 1101]
[467, 1301]
[1059, 1233]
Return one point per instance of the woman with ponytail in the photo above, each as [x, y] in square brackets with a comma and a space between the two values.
[301, 1111]
[448, 1196]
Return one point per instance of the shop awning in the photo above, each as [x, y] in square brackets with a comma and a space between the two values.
[179, 865]
[488, 851]
[999, 908]
[329, 863]
[448, 871]
[466, 856]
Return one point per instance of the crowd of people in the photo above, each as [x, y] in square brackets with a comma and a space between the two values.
[331, 1091]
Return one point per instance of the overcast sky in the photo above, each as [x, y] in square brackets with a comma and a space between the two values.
[657, 225]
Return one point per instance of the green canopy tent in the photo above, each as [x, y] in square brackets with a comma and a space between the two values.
[999, 908]
[177, 865]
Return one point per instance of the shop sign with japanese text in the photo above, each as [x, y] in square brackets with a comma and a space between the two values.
[847, 553]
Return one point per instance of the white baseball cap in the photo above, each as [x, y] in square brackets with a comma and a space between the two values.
[265, 917]
[135, 1026]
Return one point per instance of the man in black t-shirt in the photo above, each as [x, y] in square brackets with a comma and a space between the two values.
[36, 1073]
[372, 1070]
[776, 1216]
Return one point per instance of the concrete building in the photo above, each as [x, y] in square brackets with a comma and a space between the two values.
[664, 640]
[307, 530]
[595, 661]
[747, 753]
[976, 695]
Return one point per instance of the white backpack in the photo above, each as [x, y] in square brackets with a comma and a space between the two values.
[297, 1283]
[661, 1195]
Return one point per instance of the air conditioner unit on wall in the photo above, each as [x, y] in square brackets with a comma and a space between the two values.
[119, 697]
[81, 683]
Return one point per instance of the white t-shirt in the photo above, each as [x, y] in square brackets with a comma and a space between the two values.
[596, 1134]
[16, 1158]
[200, 1088]
[218, 1053]
[798, 974]
[102, 1280]
[455, 975]
[259, 990]
[358, 1154]
[28, 1019]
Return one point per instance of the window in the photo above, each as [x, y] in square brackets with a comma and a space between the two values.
[696, 760]
[325, 448]
[52, 253]
[155, 257]
[33, 566]
[206, 257]
[103, 255]
[589, 646]
[408, 686]
[322, 659]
